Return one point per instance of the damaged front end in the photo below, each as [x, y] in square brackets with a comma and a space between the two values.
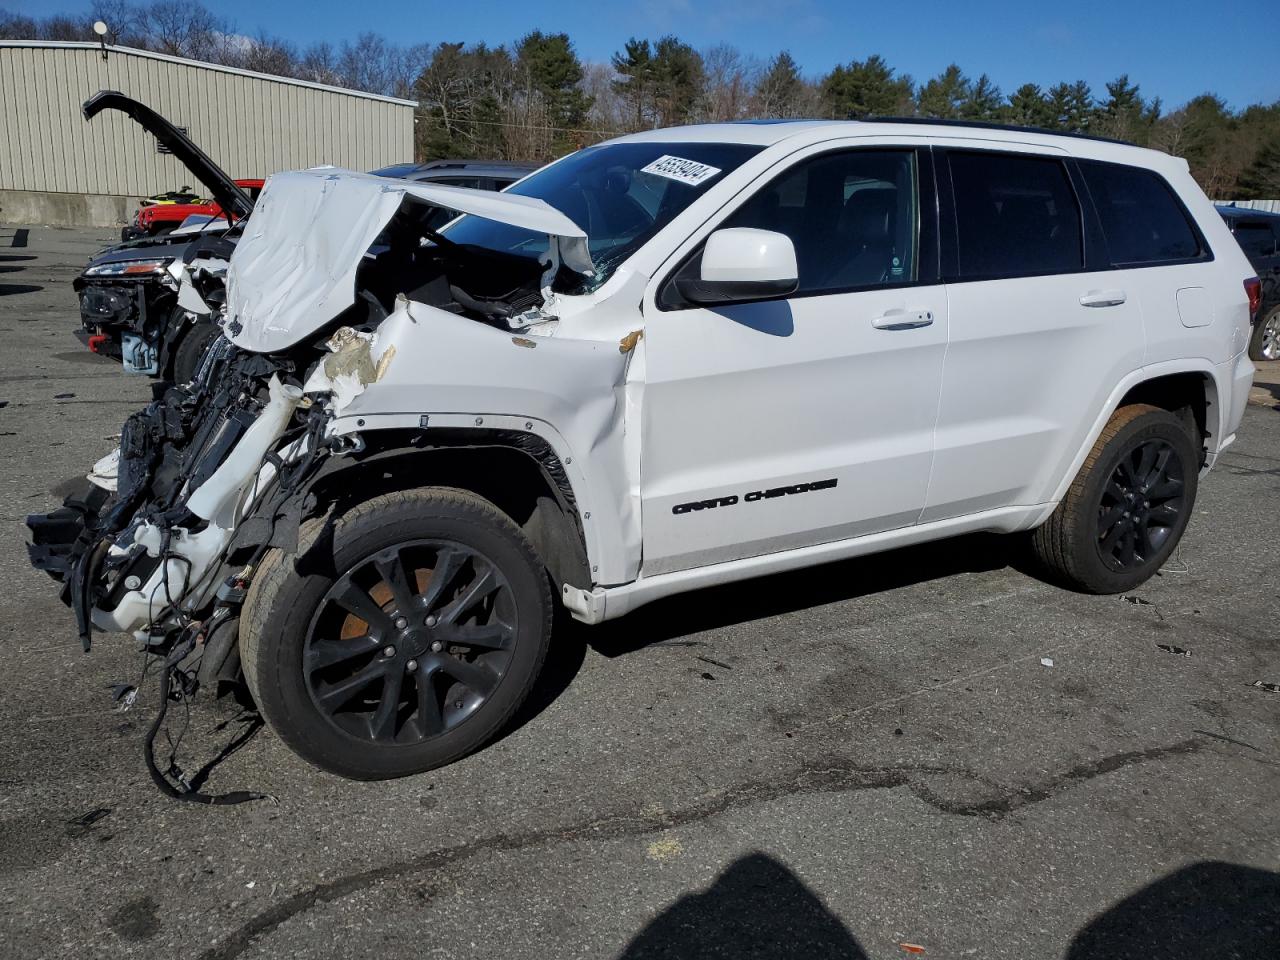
[351, 332]
[156, 537]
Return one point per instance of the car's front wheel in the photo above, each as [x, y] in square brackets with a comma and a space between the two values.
[402, 636]
[1264, 344]
[1125, 512]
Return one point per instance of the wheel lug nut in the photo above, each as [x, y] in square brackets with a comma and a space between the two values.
[437, 646]
[388, 651]
[411, 666]
[401, 623]
[431, 621]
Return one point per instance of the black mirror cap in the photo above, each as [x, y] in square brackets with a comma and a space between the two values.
[697, 290]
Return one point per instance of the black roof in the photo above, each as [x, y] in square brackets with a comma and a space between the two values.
[984, 125]
[1231, 211]
[939, 122]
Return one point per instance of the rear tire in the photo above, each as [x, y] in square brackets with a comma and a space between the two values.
[1264, 344]
[1125, 512]
[453, 628]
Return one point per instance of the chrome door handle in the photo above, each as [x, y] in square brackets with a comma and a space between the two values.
[1102, 298]
[903, 319]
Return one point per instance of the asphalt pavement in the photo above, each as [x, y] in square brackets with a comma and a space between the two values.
[928, 752]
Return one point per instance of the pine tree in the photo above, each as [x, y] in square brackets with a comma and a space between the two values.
[555, 74]
[983, 101]
[866, 88]
[945, 95]
[1027, 107]
[781, 91]
[1261, 179]
[635, 82]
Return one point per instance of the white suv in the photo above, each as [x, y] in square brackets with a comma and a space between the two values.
[675, 359]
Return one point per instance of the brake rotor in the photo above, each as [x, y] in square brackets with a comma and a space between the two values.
[353, 626]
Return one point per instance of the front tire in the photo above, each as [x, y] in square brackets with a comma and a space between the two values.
[190, 350]
[402, 636]
[1127, 508]
[1264, 344]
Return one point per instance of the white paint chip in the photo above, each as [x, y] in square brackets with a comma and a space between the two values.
[1046, 661]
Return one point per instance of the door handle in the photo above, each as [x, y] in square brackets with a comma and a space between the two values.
[903, 319]
[1102, 298]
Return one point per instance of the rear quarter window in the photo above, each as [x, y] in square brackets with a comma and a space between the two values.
[1255, 238]
[1142, 219]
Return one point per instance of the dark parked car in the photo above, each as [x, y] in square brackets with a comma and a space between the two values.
[1258, 234]
[477, 174]
[129, 293]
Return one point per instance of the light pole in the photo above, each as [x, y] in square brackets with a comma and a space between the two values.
[100, 28]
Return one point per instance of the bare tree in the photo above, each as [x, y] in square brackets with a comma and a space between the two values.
[730, 79]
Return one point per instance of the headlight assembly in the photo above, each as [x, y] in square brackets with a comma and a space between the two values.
[128, 268]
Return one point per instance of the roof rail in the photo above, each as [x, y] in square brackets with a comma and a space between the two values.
[987, 125]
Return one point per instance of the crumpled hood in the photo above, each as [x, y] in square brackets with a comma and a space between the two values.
[294, 269]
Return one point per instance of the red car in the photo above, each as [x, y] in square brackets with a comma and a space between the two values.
[157, 218]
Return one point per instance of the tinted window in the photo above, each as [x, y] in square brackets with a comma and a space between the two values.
[853, 217]
[1142, 219]
[472, 182]
[1015, 216]
[1255, 238]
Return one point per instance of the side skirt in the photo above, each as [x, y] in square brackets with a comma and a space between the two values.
[606, 603]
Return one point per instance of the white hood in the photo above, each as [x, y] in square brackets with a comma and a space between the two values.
[294, 268]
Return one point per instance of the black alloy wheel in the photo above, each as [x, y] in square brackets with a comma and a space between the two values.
[403, 634]
[411, 641]
[1126, 509]
[1141, 505]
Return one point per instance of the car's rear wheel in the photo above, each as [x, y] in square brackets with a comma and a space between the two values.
[402, 636]
[1127, 508]
[1264, 344]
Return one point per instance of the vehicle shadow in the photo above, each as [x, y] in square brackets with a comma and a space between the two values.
[757, 908]
[780, 593]
[9, 289]
[1208, 909]
[734, 603]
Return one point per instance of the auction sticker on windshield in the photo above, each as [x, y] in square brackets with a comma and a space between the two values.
[677, 168]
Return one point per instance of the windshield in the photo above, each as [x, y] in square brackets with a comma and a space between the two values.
[621, 194]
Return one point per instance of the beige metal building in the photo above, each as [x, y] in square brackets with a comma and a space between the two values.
[58, 168]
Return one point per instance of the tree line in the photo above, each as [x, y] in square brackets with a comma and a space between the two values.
[536, 99]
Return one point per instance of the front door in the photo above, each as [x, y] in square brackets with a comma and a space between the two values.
[774, 425]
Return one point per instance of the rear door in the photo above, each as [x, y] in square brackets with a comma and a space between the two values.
[1041, 330]
[807, 419]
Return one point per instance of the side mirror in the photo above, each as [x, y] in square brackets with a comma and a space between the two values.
[742, 263]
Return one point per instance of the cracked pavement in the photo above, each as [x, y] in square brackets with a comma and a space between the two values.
[832, 763]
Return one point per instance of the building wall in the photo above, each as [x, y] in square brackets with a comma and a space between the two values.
[251, 124]
[1270, 206]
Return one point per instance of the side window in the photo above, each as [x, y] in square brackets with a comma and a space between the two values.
[1142, 219]
[853, 217]
[1255, 238]
[473, 182]
[1016, 216]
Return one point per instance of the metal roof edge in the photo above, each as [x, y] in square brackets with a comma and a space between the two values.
[206, 65]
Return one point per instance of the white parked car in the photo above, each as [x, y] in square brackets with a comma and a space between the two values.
[675, 359]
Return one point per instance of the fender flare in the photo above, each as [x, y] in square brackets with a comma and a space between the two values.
[1213, 417]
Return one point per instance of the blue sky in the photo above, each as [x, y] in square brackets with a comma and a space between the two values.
[1175, 49]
